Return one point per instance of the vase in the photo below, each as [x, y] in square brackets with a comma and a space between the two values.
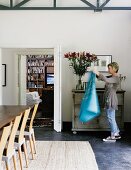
[79, 85]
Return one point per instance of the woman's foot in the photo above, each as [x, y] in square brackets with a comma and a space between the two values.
[110, 139]
[117, 137]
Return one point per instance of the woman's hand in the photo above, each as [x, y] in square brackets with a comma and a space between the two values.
[95, 71]
[89, 69]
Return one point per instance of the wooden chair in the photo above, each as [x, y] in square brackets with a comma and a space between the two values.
[3, 140]
[20, 140]
[29, 132]
[9, 151]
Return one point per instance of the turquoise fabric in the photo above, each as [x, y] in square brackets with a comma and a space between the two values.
[89, 106]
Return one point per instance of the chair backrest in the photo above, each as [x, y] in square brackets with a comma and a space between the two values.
[4, 137]
[10, 146]
[33, 116]
[23, 124]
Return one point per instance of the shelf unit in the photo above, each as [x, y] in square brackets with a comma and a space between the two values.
[36, 66]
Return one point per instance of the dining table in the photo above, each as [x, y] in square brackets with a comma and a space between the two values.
[9, 112]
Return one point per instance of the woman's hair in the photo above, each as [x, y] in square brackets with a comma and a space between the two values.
[114, 65]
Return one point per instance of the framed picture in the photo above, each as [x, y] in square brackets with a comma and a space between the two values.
[4, 75]
[102, 63]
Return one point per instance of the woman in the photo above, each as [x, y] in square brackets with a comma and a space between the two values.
[110, 98]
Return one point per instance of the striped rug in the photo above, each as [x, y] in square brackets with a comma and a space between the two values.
[63, 155]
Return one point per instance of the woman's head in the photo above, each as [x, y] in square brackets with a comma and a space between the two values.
[113, 67]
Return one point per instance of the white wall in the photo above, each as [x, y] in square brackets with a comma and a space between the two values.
[10, 58]
[108, 32]
[10, 91]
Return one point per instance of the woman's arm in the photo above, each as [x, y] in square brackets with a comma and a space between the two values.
[106, 79]
[109, 79]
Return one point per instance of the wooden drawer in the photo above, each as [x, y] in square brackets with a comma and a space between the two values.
[118, 112]
[120, 99]
[78, 98]
[89, 125]
[100, 98]
[103, 122]
[119, 96]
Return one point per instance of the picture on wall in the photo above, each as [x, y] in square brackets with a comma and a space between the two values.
[102, 62]
[4, 75]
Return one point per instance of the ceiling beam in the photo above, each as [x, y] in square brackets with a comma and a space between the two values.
[46, 8]
[89, 4]
[98, 3]
[22, 3]
[63, 8]
[3, 6]
[116, 8]
[11, 3]
[104, 4]
[54, 3]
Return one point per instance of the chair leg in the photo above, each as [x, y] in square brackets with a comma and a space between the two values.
[14, 161]
[7, 165]
[26, 156]
[20, 157]
[31, 147]
[1, 167]
[34, 143]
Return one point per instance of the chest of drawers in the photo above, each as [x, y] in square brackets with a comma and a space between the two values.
[100, 123]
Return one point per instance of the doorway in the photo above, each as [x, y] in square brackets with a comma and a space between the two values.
[40, 86]
[10, 57]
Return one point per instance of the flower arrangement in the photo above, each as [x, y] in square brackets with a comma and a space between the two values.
[80, 61]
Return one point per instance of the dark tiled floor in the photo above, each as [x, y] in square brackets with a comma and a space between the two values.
[109, 156]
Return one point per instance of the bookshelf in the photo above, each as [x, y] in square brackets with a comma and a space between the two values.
[37, 68]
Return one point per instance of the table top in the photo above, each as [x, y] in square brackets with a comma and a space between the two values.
[9, 112]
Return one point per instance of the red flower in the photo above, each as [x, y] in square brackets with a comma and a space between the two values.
[80, 61]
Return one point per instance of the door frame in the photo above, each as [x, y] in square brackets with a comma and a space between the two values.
[57, 81]
[0, 77]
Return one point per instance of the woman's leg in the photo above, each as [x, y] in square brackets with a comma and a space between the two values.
[112, 122]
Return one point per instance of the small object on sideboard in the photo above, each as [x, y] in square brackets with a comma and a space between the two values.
[122, 79]
[32, 98]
